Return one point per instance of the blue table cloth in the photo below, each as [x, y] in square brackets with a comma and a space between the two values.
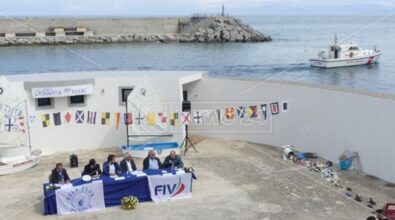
[114, 190]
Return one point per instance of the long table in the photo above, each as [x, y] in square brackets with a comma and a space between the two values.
[114, 190]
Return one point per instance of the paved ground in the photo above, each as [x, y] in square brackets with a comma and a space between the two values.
[236, 180]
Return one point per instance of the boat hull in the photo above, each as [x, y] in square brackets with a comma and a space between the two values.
[344, 62]
[141, 150]
[19, 166]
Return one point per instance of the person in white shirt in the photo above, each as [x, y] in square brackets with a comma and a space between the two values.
[151, 161]
[127, 164]
[111, 167]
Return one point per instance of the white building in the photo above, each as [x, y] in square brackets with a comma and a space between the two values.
[323, 120]
[98, 92]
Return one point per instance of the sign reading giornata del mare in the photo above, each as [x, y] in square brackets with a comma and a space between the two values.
[48, 92]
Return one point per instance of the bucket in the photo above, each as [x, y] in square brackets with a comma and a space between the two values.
[345, 164]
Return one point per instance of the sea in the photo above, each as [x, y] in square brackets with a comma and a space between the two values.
[295, 40]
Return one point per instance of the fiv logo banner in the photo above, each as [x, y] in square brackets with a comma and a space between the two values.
[85, 198]
[170, 187]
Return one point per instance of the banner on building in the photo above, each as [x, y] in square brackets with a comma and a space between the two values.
[65, 91]
[163, 188]
[85, 198]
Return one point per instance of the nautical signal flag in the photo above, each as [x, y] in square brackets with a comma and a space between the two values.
[274, 108]
[186, 118]
[139, 118]
[197, 118]
[173, 118]
[91, 117]
[105, 118]
[162, 117]
[67, 117]
[241, 111]
[252, 111]
[285, 106]
[21, 121]
[45, 120]
[79, 117]
[151, 118]
[264, 111]
[229, 113]
[128, 118]
[57, 119]
[9, 125]
[117, 116]
[32, 119]
[219, 116]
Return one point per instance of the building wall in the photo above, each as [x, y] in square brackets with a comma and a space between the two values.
[320, 120]
[105, 26]
[105, 98]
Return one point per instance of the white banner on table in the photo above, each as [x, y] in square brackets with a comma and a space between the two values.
[85, 198]
[48, 92]
[170, 187]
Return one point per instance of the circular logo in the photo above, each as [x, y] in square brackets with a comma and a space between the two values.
[80, 199]
[1, 90]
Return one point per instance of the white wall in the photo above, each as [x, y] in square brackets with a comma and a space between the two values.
[325, 121]
[105, 98]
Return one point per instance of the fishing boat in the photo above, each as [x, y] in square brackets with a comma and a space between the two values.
[16, 154]
[347, 54]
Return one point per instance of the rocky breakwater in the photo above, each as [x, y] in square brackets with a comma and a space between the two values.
[222, 29]
[210, 29]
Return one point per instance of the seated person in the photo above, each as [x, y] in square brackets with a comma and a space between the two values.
[127, 164]
[151, 161]
[92, 168]
[59, 175]
[111, 167]
[173, 161]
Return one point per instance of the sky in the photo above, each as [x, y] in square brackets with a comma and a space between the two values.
[187, 7]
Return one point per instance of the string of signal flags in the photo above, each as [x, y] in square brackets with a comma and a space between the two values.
[197, 117]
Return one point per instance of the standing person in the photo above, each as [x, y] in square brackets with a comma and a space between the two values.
[111, 167]
[151, 161]
[92, 168]
[173, 161]
[59, 175]
[127, 164]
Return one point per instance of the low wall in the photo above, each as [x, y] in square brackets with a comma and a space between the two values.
[97, 25]
[321, 120]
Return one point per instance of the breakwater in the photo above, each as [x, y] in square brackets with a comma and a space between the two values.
[74, 31]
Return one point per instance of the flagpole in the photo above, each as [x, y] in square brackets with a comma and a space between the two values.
[127, 125]
[28, 128]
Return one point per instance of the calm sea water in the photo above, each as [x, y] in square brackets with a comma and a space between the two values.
[295, 40]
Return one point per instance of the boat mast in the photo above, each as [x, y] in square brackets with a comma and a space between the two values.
[127, 125]
[28, 128]
[335, 40]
